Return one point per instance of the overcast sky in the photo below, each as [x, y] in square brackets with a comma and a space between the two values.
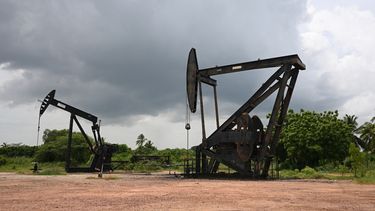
[125, 61]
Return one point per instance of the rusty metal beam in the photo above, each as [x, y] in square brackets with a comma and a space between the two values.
[276, 108]
[259, 64]
[207, 80]
[247, 106]
[280, 121]
[91, 147]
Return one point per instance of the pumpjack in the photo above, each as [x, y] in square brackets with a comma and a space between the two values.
[241, 142]
[102, 152]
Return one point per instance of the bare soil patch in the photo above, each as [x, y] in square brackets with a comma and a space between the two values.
[166, 192]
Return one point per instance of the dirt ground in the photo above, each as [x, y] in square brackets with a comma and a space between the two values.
[166, 192]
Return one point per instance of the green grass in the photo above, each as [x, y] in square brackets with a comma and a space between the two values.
[306, 173]
[309, 173]
[24, 165]
[338, 176]
[105, 177]
[57, 170]
[17, 164]
[365, 180]
[369, 178]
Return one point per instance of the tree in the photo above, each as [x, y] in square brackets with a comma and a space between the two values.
[18, 151]
[313, 139]
[122, 152]
[357, 159]
[149, 147]
[123, 148]
[144, 146]
[177, 155]
[55, 147]
[4, 144]
[351, 120]
[52, 135]
[367, 136]
[140, 140]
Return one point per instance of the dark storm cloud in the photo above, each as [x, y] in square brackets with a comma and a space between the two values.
[123, 58]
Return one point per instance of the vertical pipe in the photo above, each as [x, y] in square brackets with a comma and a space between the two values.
[202, 111]
[69, 148]
[94, 133]
[204, 163]
[37, 137]
[203, 156]
[197, 160]
[100, 140]
[216, 108]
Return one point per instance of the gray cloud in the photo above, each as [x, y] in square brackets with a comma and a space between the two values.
[123, 58]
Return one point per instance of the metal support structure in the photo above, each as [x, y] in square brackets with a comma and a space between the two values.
[216, 108]
[241, 142]
[69, 147]
[202, 112]
[280, 120]
[197, 160]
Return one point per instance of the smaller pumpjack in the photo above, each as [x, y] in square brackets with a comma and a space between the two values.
[102, 151]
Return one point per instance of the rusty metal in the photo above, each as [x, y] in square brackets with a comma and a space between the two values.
[102, 151]
[241, 142]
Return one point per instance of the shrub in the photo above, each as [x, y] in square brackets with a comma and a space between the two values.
[3, 161]
[18, 151]
[305, 173]
[288, 174]
[370, 173]
[308, 171]
[54, 151]
[342, 169]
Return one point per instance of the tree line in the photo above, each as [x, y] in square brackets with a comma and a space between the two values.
[318, 139]
[54, 149]
[308, 138]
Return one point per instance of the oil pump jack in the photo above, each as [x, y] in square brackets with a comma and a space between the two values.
[102, 152]
[241, 142]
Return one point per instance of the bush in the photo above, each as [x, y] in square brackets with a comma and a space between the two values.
[3, 161]
[369, 178]
[18, 151]
[288, 174]
[358, 159]
[147, 166]
[176, 155]
[55, 150]
[370, 173]
[305, 173]
[308, 171]
[342, 169]
[328, 167]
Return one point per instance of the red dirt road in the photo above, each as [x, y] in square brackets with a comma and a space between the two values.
[165, 192]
